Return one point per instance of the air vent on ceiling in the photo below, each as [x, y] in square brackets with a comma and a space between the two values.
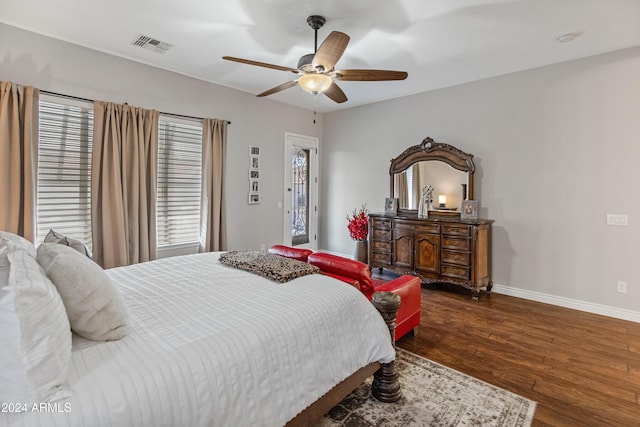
[151, 44]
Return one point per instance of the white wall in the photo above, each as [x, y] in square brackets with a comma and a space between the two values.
[556, 149]
[47, 64]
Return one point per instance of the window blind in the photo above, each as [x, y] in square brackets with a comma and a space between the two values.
[179, 175]
[65, 141]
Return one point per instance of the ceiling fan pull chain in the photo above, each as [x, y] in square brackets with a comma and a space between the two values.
[315, 96]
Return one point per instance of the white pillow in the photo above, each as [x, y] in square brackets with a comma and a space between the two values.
[4, 266]
[20, 241]
[94, 306]
[34, 331]
[55, 237]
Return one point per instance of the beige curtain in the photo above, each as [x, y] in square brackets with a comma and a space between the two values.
[401, 189]
[213, 233]
[123, 184]
[18, 159]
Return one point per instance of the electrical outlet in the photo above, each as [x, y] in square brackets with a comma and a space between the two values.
[622, 287]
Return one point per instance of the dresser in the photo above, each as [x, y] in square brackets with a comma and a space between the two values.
[436, 250]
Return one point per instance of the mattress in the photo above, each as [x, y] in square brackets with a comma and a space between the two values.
[211, 345]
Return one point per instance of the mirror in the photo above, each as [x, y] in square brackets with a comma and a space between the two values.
[447, 169]
[445, 180]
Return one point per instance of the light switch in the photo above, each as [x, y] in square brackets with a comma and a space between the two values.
[617, 219]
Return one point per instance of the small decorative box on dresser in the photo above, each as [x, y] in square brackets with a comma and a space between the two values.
[436, 250]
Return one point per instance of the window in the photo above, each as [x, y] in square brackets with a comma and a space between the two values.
[179, 175]
[64, 174]
[64, 169]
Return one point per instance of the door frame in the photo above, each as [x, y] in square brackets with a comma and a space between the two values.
[312, 143]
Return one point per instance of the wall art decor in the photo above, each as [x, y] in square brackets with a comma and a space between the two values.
[254, 175]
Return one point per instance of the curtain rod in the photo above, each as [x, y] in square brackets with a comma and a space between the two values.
[77, 98]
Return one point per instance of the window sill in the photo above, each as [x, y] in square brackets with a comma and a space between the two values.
[178, 249]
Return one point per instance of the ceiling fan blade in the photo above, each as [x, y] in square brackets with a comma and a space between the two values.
[330, 50]
[259, 64]
[370, 75]
[335, 93]
[279, 88]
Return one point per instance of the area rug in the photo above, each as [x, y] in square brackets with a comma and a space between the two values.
[432, 395]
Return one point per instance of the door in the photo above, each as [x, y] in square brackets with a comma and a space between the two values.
[427, 256]
[402, 253]
[301, 191]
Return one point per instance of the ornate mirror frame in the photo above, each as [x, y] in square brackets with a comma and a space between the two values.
[431, 150]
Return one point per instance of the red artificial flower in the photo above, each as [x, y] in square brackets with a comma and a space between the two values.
[358, 224]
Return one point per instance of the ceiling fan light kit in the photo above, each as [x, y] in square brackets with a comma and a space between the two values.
[315, 83]
[316, 70]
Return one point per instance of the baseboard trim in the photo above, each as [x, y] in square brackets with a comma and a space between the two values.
[605, 310]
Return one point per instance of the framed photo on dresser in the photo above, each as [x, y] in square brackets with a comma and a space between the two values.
[469, 210]
[391, 206]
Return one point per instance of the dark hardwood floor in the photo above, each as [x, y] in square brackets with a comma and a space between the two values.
[582, 369]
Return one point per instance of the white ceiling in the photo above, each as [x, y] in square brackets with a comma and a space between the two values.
[438, 42]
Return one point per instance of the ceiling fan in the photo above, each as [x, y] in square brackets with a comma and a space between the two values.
[316, 70]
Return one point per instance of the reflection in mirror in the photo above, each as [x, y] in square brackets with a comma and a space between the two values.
[446, 181]
[446, 168]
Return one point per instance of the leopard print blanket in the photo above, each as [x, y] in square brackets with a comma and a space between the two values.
[271, 266]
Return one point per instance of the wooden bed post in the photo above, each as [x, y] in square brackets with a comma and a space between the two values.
[385, 386]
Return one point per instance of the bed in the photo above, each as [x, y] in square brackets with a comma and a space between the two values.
[213, 345]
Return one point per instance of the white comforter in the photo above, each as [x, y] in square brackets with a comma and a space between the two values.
[214, 346]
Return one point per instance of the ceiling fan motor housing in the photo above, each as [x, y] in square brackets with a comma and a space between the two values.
[304, 63]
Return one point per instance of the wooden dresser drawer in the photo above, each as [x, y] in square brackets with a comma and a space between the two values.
[456, 230]
[455, 243]
[378, 259]
[381, 223]
[428, 228]
[381, 234]
[455, 271]
[381, 246]
[459, 258]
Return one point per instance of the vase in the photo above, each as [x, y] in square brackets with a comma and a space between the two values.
[361, 253]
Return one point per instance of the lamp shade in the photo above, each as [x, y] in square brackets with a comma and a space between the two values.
[442, 199]
[315, 83]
